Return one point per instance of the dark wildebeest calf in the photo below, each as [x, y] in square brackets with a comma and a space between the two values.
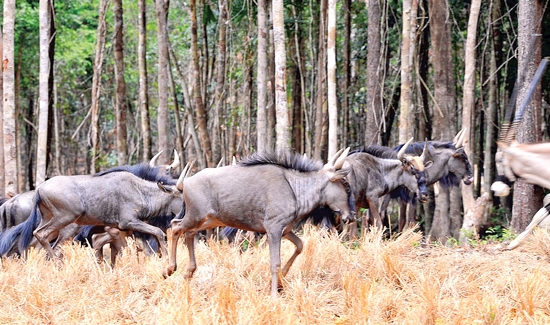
[265, 193]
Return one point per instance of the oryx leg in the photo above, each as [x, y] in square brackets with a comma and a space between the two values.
[176, 233]
[190, 242]
[538, 218]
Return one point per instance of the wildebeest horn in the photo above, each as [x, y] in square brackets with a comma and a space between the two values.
[423, 156]
[401, 152]
[340, 161]
[176, 161]
[220, 162]
[458, 141]
[184, 174]
[153, 161]
[332, 159]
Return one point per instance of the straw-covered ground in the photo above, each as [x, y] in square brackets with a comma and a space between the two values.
[373, 281]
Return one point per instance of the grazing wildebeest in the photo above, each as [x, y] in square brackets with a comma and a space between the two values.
[265, 193]
[449, 165]
[116, 198]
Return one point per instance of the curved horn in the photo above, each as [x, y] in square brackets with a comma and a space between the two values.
[401, 152]
[153, 161]
[220, 163]
[423, 156]
[457, 136]
[176, 161]
[332, 160]
[340, 161]
[183, 175]
[460, 142]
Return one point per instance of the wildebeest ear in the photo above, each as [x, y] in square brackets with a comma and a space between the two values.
[164, 188]
[339, 174]
[428, 164]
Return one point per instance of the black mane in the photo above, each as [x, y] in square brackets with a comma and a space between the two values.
[283, 159]
[377, 151]
[143, 171]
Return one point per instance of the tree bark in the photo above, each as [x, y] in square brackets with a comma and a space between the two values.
[469, 89]
[44, 99]
[120, 97]
[10, 149]
[320, 102]
[283, 124]
[163, 124]
[261, 79]
[331, 80]
[96, 86]
[2, 178]
[219, 96]
[406, 100]
[527, 197]
[143, 84]
[199, 104]
[374, 101]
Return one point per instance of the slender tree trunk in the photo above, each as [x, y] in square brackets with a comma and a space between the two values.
[331, 80]
[346, 66]
[406, 103]
[528, 197]
[261, 79]
[283, 124]
[10, 159]
[143, 85]
[468, 99]
[2, 178]
[44, 99]
[374, 101]
[121, 104]
[321, 105]
[179, 124]
[199, 104]
[220, 81]
[163, 124]
[96, 86]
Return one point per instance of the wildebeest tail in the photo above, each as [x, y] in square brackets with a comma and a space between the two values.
[28, 227]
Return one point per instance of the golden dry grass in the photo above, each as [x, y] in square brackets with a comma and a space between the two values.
[375, 281]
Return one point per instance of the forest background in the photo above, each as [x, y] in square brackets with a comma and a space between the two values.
[92, 84]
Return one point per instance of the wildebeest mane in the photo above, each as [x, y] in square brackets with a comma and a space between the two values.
[377, 151]
[143, 171]
[283, 159]
[3, 200]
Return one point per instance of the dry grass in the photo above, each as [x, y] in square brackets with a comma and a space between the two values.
[375, 281]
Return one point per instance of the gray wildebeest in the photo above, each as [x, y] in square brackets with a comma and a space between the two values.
[125, 197]
[16, 210]
[264, 193]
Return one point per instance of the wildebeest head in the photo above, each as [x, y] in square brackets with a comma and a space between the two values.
[337, 194]
[167, 168]
[459, 164]
[416, 166]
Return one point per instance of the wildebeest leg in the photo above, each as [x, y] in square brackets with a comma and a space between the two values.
[402, 216]
[299, 246]
[190, 242]
[373, 208]
[138, 225]
[411, 216]
[274, 240]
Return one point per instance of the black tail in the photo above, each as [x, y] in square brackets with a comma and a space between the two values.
[28, 227]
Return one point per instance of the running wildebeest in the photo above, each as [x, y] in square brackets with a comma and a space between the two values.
[125, 197]
[265, 193]
[16, 210]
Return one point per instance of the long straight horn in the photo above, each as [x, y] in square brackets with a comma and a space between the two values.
[340, 161]
[457, 137]
[176, 161]
[220, 163]
[153, 161]
[184, 174]
[333, 159]
[401, 153]
[423, 156]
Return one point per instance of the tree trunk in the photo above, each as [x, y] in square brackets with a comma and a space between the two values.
[446, 213]
[10, 159]
[528, 197]
[331, 80]
[406, 102]
[320, 102]
[261, 80]
[42, 141]
[283, 124]
[220, 81]
[346, 66]
[96, 86]
[469, 89]
[374, 101]
[199, 104]
[2, 178]
[143, 85]
[120, 97]
[163, 123]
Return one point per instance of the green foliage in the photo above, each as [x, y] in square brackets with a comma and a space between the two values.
[499, 234]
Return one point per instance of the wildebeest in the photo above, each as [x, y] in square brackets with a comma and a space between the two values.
[265, 193]
[449, 165]
[16, 210]
[116, 198]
